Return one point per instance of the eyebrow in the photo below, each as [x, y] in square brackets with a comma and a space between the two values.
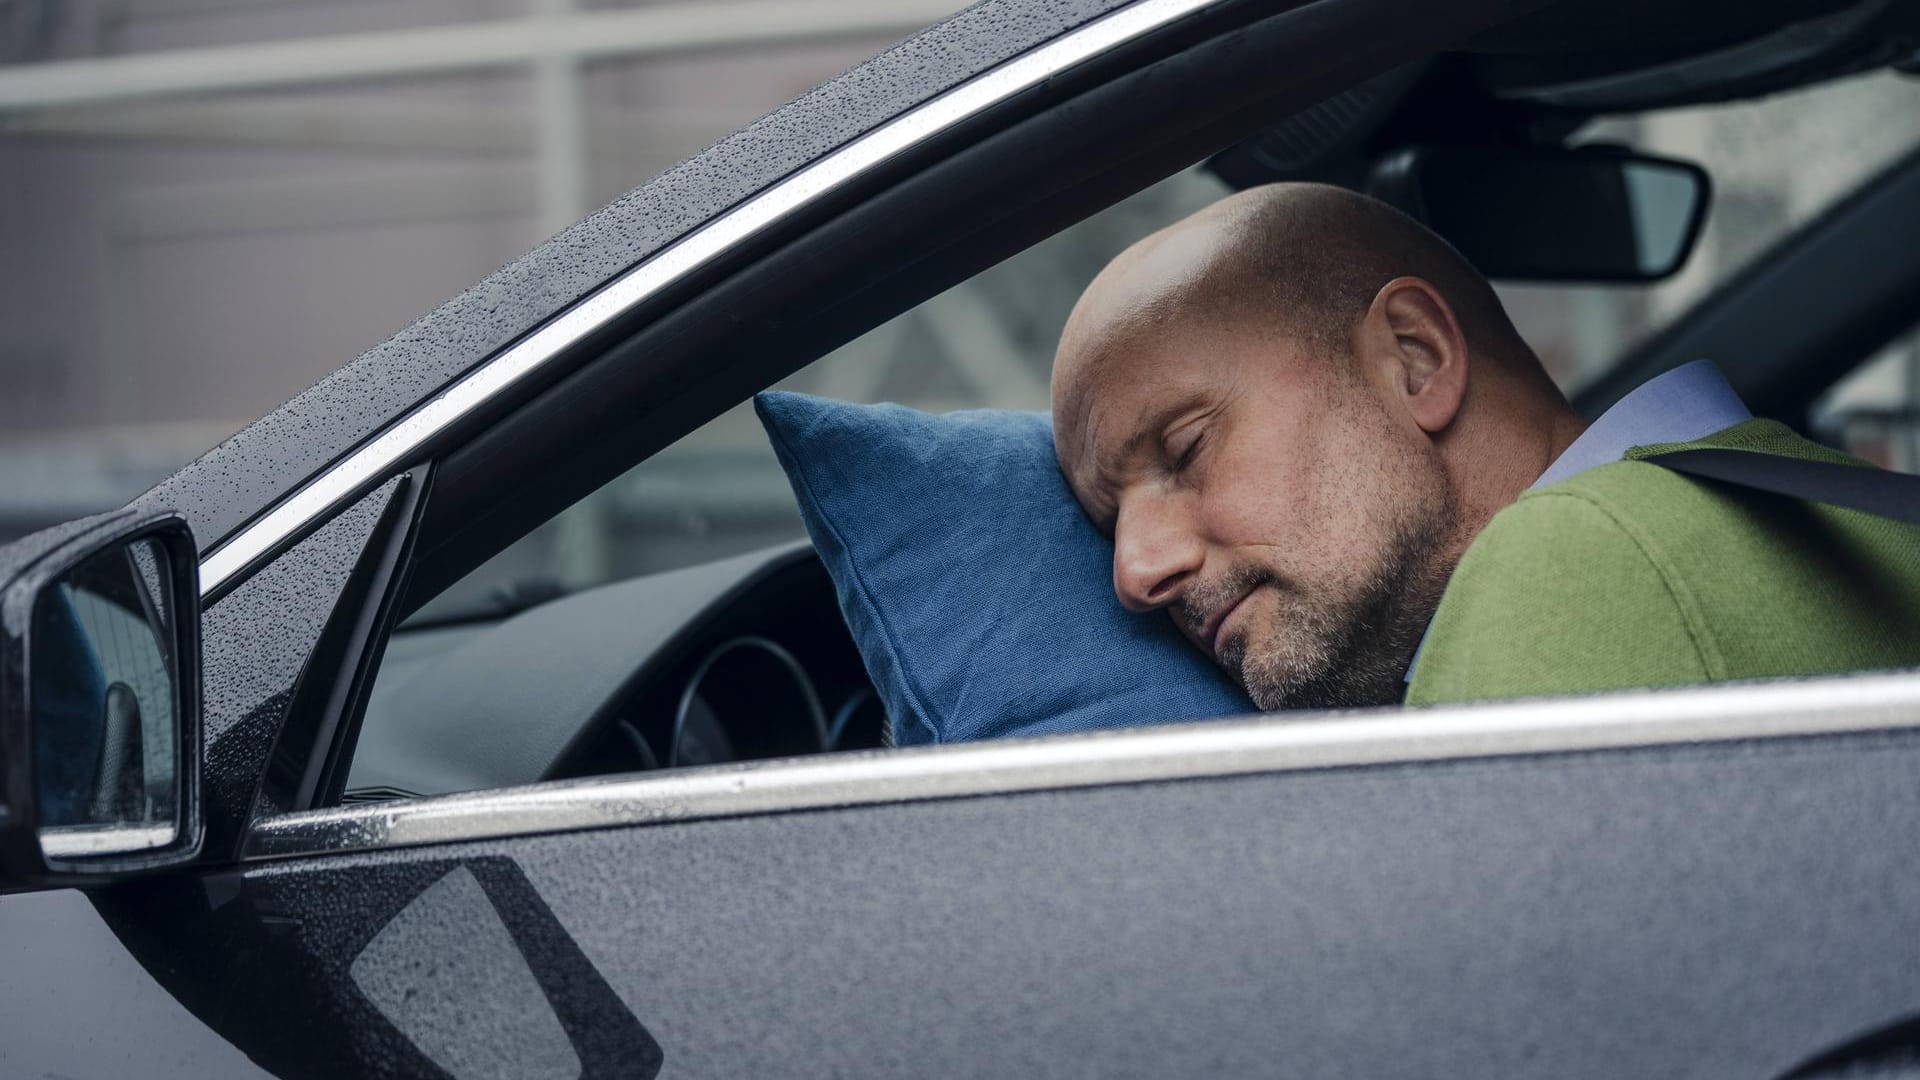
[1149, 426]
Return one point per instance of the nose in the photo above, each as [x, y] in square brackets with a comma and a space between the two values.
[1156, 553]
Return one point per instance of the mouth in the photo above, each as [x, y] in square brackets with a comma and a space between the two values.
[1211, 633]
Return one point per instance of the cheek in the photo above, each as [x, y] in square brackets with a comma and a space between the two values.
[1248, 502]
[1323, 516]
[1271, 484]
[1360, 501]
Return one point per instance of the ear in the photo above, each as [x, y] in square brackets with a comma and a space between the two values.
[1415, 334]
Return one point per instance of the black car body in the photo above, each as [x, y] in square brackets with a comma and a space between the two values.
[1702, 882]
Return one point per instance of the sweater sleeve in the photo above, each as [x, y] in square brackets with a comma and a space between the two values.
[1558, 596]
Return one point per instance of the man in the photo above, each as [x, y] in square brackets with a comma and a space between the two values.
[1317, 441]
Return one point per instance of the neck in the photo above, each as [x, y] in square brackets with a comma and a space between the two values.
[1563, 426]
[1497, 461]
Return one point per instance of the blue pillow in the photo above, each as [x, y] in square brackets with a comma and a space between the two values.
[981, 598]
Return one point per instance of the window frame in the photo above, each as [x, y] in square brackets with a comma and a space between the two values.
[883, 204]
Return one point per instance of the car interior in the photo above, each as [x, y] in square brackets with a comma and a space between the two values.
[1502, 146]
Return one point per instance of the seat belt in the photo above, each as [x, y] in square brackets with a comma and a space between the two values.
[1870, 490]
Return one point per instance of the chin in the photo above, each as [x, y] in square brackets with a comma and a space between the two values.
[1281, 675]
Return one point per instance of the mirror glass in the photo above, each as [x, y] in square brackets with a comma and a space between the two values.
[105, 702]
[1552, 215]
[1662, 200]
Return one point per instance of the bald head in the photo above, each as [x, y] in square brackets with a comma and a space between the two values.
[1304, 261]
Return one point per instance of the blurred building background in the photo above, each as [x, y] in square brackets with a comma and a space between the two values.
[207, 205]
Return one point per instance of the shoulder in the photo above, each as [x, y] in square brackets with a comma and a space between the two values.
[1656, 507]
[1563, 592]
[1667, 512]
[1591, 515]
[1757, 436]
[1632, 574]
[1622, 503]
[1619, 536]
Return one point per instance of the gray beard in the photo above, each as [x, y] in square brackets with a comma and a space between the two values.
[1353, 652]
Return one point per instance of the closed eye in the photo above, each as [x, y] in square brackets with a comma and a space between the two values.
[1184, 445]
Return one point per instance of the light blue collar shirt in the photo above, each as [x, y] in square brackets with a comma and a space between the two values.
[1690, 402]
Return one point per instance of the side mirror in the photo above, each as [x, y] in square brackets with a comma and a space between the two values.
[99, 701]
[1591, 214]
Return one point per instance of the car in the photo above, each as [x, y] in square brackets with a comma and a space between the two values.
[543, 838]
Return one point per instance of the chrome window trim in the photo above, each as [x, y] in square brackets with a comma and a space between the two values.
[1271, 744]
[364, 466]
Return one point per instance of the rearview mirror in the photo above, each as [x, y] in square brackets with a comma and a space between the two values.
[99, 702]
[1591, 214]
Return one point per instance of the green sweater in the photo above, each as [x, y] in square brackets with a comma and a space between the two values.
[1631, 575]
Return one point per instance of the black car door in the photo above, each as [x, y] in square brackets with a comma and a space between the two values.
[1694, 883]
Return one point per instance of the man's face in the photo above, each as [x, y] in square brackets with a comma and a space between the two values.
[1294, 526]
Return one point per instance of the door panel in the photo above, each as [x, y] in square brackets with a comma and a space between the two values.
[1721, 910]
